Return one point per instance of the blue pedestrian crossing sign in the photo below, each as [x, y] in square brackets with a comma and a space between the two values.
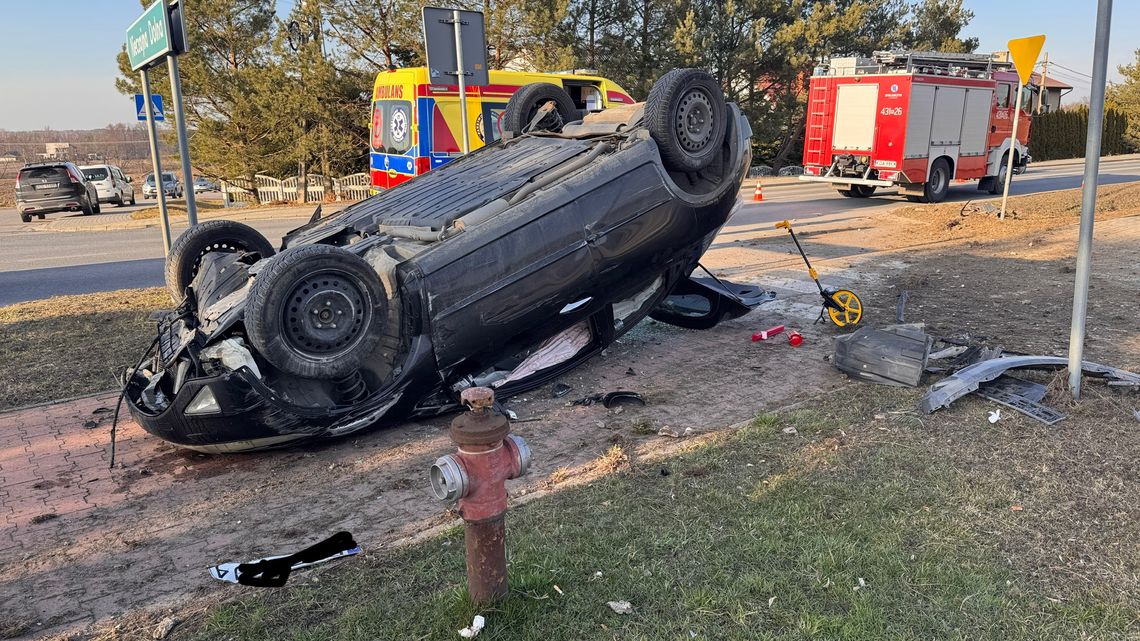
[155, 100]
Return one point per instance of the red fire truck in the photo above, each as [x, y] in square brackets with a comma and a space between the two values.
[915, 120]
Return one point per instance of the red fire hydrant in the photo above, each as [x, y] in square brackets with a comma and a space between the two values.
[476, 477]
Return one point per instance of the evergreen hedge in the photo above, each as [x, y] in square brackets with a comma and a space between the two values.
[1062, 134]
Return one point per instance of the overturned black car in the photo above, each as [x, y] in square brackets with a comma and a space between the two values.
[504, 268]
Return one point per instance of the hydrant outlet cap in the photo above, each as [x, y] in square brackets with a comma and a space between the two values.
[448, 479]
[521, 452]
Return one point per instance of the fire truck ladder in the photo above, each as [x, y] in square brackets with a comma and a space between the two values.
[941, 63]
[817, 108]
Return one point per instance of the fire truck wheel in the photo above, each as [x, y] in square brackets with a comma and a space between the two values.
[997, 185]
[525, 103]
[938, 183]
[687, 117]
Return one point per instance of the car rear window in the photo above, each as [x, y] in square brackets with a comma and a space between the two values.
[391, 126]
[97, 173]
[43, 173]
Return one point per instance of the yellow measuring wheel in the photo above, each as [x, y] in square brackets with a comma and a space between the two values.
[844, 308]
[841, 305]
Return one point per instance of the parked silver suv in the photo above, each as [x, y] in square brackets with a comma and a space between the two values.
[170, 185]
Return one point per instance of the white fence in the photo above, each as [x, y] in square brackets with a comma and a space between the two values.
[320, 188]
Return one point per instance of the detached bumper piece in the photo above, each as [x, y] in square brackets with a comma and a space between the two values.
[894, 355]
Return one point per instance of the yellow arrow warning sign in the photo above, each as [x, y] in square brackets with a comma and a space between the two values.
[1024, 52]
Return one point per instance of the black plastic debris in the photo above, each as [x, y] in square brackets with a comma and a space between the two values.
[611, 399]
[273, 571]
[1003, 395]
[559, 390]
[892, 355]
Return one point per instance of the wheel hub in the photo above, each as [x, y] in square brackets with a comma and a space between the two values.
[694, 124]
[326, 314]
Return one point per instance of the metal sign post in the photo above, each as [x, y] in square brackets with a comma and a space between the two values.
[460, 76]
[157, 34]
[1012, 147]
[183, 143]
[1088, 195]
[177, 47]
[456, 47]
[1024, 52]
[152, 135]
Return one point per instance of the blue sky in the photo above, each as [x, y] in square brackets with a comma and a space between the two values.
[61, 73]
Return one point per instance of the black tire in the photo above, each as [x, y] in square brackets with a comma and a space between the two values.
[938, 182]
[216, 235]
[858, 191]
[27, 218]
[132, 198]
[997, 185]
[97, 207]
[687, 117]
[42, 216]
[119, 202]
[87, 208]
[915, 199]
[525, 102]
[296, 301]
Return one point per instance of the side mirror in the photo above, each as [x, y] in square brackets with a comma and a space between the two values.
[130, 180]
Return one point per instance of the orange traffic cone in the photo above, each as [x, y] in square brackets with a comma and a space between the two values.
[758, 194]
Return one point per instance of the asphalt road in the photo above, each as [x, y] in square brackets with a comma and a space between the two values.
[36, 264]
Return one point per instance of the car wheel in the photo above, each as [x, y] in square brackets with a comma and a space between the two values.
[120, 201]
[687, 117]
[938, 182]
[863, 191]
[87, 209]
[997, 185]
[97, 207]
[214, 236]
[42, 216]
[316, 311]
[525, 103]
[132, 198]
[27, 218]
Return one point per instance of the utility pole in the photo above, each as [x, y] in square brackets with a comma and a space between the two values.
[1044, 80]
[1088, 195]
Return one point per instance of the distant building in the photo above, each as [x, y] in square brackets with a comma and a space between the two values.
[56, 151]
[10, 156]
[1054, 91]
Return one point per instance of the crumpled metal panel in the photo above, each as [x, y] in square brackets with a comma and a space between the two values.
[966, 380]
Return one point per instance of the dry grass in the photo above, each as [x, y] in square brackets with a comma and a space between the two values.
[1025, 214]
[176, 209]
[71, 345]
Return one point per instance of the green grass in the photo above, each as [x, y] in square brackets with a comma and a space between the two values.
[754, 535]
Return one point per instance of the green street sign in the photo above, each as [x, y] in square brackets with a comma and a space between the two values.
[148, 38]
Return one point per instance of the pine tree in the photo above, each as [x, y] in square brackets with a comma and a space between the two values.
[1124, 96]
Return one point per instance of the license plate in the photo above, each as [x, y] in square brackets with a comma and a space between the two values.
[47, 185]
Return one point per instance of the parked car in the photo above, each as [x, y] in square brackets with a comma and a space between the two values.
[112, 185]
[46, 187]
[507, 268]
[170, 185]
[203, 184]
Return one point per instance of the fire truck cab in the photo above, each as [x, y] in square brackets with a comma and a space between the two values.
[915, 120]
